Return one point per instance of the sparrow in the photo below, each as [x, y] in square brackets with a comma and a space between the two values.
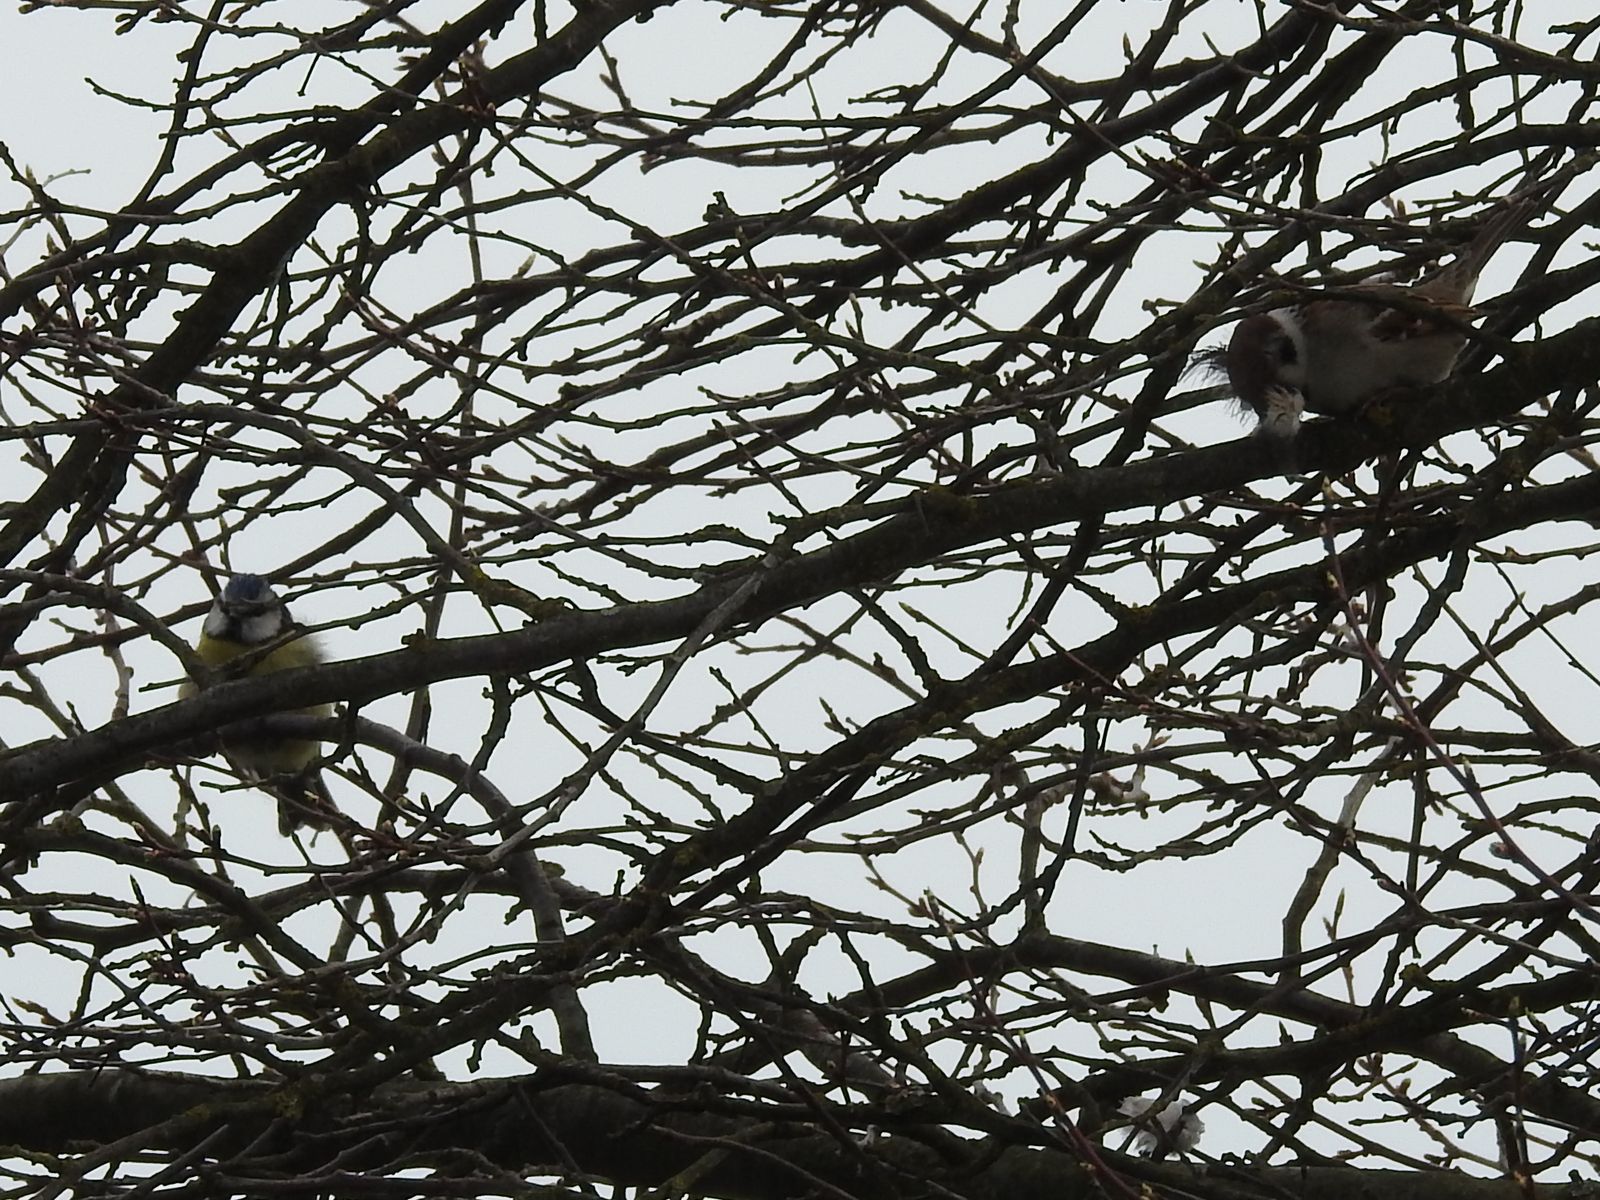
[1162, 1128]
[249, 623]
[1331, 354]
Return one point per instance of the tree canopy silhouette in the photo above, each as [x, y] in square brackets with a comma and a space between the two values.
[828, 702]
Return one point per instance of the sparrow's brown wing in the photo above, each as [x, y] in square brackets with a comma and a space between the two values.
[1416, 318]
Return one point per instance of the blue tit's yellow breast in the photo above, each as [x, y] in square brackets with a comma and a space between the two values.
[216, 651]
[301, 652]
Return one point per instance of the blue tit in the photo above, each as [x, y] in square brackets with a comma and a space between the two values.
[249, 620]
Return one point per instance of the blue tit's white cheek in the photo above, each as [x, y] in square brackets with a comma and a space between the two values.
[216, 625]
[260, 627]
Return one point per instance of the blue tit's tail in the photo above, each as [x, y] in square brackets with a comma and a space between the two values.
[303, 801]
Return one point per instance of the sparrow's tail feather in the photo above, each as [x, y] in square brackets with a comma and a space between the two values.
[1515, 212]
[1493, 235]
[1455, 284]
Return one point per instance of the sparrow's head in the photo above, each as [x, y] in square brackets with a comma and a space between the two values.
[1264, 353]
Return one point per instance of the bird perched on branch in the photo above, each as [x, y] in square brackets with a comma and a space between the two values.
[250, 627]
[1333, 353]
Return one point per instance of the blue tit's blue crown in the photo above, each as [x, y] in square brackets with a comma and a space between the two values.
[247, 589]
